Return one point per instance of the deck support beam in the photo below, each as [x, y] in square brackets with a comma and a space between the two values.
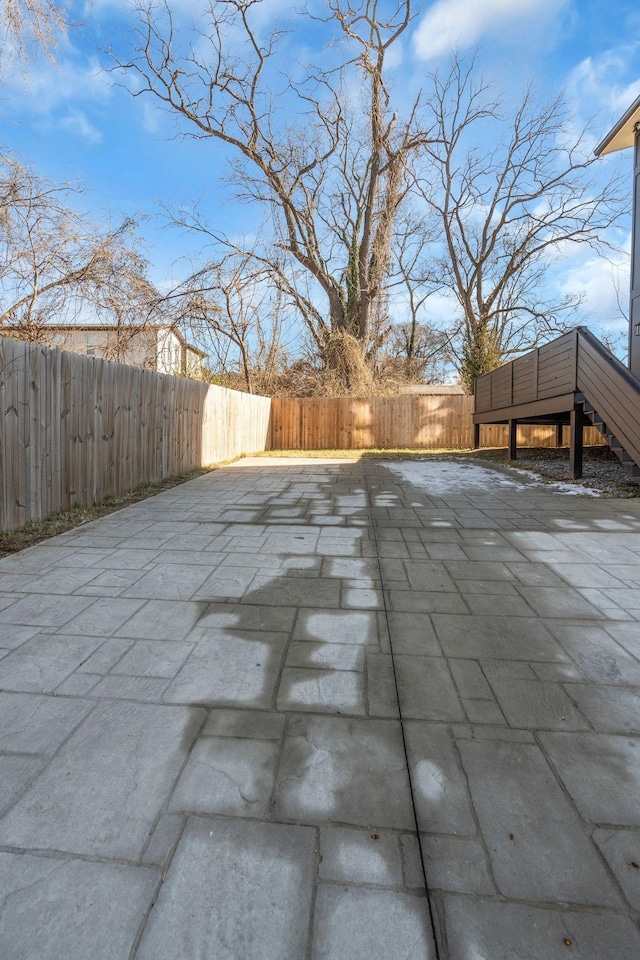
[576, 449]
[513, 439]
[476, 436]
[559, 437]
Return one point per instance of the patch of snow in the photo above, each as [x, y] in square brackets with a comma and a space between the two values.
[568, 489]
[446, 478]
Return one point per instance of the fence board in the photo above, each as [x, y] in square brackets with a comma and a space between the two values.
[76, 429]
[384, 423]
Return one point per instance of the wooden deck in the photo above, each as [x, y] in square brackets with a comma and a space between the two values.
[573, 380]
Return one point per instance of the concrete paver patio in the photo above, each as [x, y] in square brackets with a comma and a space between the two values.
[325, 710]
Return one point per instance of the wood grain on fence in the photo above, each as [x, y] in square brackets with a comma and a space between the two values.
[75, 429]
[384, 423]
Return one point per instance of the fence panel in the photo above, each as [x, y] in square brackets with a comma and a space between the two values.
[76, 429]
[384, 423]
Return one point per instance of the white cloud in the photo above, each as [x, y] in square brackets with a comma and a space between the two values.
[452, 23]
[439, 311]
[76, 123]
[153, 119]
[602, 82]
[48, 85]
[599, 90]
[604, 283]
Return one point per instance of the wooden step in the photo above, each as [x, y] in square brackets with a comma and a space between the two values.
[596, 420]
[626, 460]
[590, 410]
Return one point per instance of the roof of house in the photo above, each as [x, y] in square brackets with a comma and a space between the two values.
[125, 328]
[622, 134]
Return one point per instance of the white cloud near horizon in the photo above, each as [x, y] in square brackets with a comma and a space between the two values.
[456, 23]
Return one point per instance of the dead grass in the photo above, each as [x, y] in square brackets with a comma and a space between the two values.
[37, 531]
[397, 453]
[603, 471]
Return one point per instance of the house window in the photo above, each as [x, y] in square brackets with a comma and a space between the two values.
[58, 339]
[90, 343]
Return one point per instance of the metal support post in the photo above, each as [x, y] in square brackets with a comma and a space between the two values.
[513, 439]
[577, 442]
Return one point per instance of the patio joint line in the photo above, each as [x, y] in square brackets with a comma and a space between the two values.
[385, 608]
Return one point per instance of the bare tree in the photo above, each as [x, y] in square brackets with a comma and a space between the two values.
[30, 25]
[55, 265]
[327, 155]
[506, 212]
[416, 345]
[419, 352]
[230, 307]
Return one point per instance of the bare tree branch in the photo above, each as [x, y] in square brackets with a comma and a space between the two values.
[506, 213]
[55, 265]
[27, 26]
[333, 169]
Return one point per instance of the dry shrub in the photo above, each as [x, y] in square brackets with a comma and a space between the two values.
[302, 380]
[345, 364]
[345, 372]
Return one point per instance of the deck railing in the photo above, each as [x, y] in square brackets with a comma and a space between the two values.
[612, 390]
[548, 371]
[577, 364]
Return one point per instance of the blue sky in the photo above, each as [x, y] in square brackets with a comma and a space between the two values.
[72, 122]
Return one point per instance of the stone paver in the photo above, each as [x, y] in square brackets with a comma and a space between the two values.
[348, 771]
[53, 908]
[537, 846]
[479, 928]
[234, 889]
[101, 794]
[228, 776]
[357, 923]
[295, 690]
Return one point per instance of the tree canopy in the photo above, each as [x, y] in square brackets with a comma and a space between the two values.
[365, 192]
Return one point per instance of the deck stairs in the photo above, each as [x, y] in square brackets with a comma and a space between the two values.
[574, 374]
[610, 397]
[614, 444]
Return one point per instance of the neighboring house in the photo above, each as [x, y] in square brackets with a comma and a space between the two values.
[154, 346]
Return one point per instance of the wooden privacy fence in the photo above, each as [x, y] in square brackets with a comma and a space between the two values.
[75, 429]
[418, 422]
